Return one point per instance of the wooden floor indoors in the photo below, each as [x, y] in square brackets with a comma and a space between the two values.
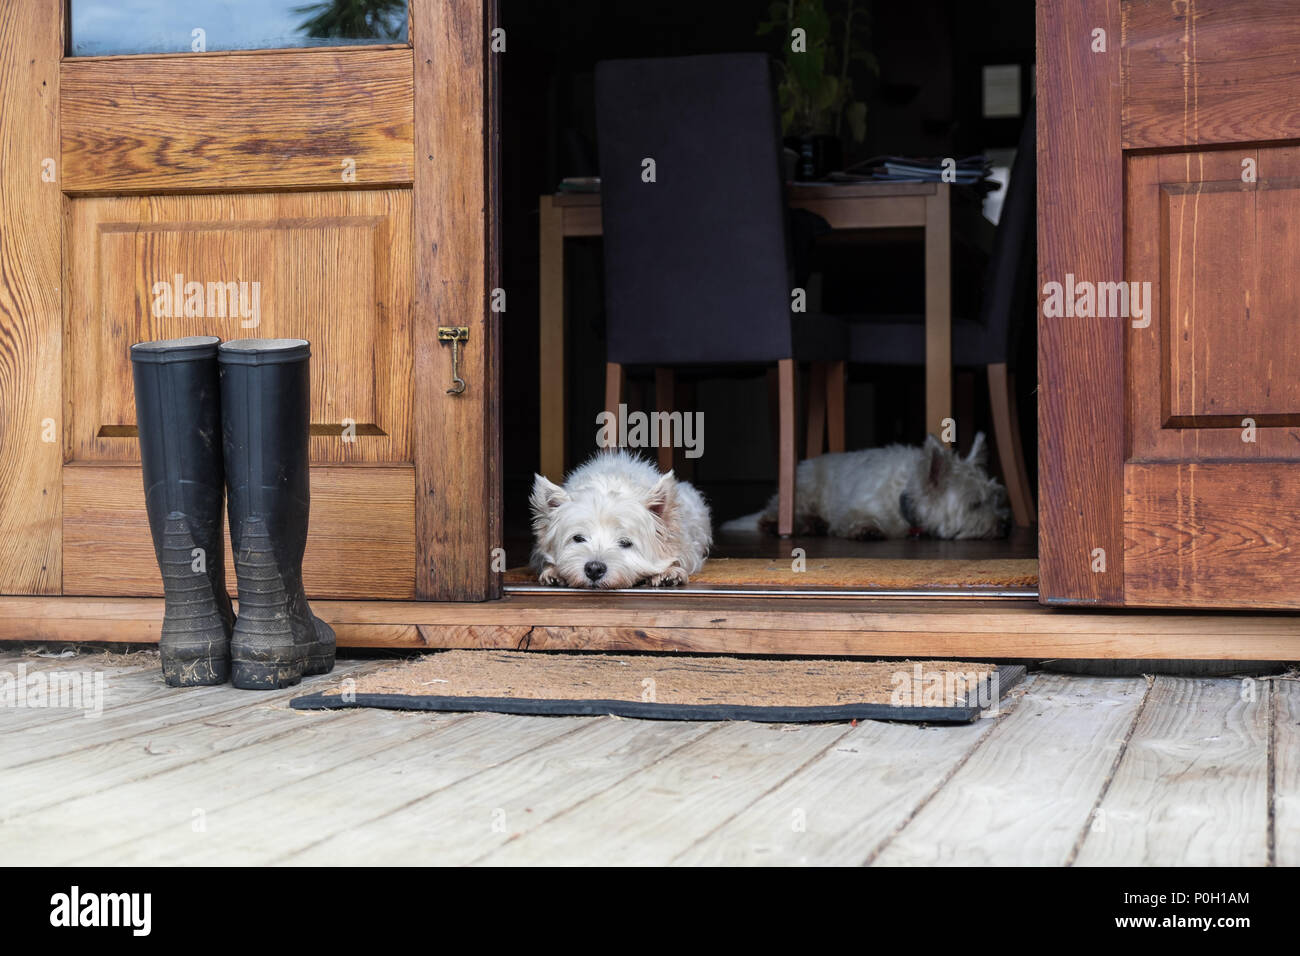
[1073, 770]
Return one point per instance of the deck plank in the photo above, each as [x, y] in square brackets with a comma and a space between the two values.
[267, 801]
[254, 756]
[136, 703]
[845, 804]
[657, 813]
[1028, 789]
[470, 819]
[1192, 786]
[1286, 772]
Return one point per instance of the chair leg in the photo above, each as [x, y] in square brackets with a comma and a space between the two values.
[836, 373]
[614, 384]
[688, 402]
[664, 388]
[816, 409]
[786, 455]
[1006, 432]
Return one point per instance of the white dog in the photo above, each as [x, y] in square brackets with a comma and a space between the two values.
[617, 522]
[894, 492]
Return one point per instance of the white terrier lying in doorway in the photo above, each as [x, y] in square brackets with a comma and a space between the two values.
[617, 522]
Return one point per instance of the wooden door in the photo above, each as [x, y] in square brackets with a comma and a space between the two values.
[1169, 160]
[336, 194]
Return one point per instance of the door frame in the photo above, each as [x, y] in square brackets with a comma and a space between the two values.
[457, 267]
[1080, 361]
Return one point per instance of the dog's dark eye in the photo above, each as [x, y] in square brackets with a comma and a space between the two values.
[624, 543]
[579, 539]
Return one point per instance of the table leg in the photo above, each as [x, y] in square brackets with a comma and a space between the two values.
[938, 310]
[550, 340]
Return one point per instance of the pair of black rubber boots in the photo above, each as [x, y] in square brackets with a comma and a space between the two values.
[217, 418]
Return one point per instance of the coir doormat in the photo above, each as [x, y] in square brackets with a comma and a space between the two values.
[673, 687]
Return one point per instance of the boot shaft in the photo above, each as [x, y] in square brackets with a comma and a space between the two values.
[265, 411]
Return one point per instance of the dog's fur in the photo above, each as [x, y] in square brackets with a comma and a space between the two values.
[617, 512]
[894, 492]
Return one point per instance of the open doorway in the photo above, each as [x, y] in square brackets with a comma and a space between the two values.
[936, 81]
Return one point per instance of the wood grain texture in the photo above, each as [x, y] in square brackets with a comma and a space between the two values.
[526, 793]
[287, 119]
[1192, 786]
[679, 801]
[362, 540]
[960, 628]
[456, 436]
[1028, 790]
[844, 805]
[1080, 361]
[31, 215]
[465, 746]
[881, 573]
[1285, 748]
[1210, 71]
[1212, 534]
[330, 267]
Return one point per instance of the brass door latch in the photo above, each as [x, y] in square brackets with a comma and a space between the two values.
[455, 334]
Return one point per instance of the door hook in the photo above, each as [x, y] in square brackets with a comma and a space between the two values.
[455, 334]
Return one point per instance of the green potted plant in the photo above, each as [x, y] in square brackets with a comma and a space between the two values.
[821, 41]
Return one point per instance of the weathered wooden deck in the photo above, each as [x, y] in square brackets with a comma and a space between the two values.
[1074, 771]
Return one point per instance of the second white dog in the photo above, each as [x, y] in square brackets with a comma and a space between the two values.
[894, 492]
[617, 522]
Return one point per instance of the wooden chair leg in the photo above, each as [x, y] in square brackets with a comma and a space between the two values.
[816, 409]
[664, 398]
[615, 380]
[773, 400]
[688, 402]
[836, 384]
[1006, 432]
[787, 459]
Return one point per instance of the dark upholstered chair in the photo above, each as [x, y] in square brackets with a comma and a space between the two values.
[697, 267]
[990, 341]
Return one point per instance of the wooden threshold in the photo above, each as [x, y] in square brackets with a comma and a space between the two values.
[730, 625]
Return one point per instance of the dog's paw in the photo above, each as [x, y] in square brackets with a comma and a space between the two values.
[550, 576]
[673, 577]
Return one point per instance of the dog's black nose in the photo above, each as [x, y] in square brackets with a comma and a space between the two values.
[595, 570]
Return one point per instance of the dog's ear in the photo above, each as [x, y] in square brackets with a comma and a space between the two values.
[935, 462]
[979, 451]
[662, 495]
[546, 497]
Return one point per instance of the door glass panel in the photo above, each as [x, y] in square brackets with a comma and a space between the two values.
[109, 27]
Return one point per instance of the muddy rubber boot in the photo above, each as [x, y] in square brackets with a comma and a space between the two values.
[265, 398]
[178, 412]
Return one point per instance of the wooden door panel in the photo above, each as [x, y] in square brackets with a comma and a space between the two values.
[1222, 347]
[362, 541]
[237, 120]
[1198, 72]
[333, 268]
[1210, 534]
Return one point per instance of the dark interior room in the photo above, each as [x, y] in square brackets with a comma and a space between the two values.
[921, 80]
